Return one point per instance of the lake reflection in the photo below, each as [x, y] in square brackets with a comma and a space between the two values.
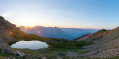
[30, 45]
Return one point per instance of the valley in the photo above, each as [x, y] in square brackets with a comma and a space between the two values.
[99, 45]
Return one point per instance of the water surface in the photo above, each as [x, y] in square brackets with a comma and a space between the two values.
[30, 45]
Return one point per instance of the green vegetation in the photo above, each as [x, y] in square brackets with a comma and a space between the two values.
[84, 51]
[70, 44]
[4, 55]
[117, 57]
[116, 37]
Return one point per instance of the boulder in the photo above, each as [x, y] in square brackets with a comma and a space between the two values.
[20, 54]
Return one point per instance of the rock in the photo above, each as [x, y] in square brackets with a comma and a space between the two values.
[30, 56]
[44, 58]
[20, 54]
[61, 54]
[59, 58]
[4, 46]
[11, 52]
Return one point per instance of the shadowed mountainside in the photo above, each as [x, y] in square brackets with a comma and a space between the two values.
[46, 32]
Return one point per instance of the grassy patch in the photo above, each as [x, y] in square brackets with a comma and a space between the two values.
[84, 52]
[4, 55]
[70, 44]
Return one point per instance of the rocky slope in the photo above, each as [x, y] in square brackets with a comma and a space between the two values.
[105, 47]
[8, 34]
[97, 35]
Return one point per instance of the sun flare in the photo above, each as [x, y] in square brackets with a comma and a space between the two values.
[27, 24]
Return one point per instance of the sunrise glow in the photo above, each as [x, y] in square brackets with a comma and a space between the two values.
[68, 14]
[26, 24]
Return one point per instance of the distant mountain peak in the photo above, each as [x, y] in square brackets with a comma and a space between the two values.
[56, 32]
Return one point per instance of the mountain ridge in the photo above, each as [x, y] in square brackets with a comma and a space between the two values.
[96, 35]
[104, 47]
[55, 32]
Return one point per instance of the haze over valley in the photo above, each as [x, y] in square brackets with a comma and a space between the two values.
[55, 32]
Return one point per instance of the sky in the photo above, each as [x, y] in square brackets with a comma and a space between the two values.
[99, 14]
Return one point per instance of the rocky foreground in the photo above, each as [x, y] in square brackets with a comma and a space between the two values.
[7, 30]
